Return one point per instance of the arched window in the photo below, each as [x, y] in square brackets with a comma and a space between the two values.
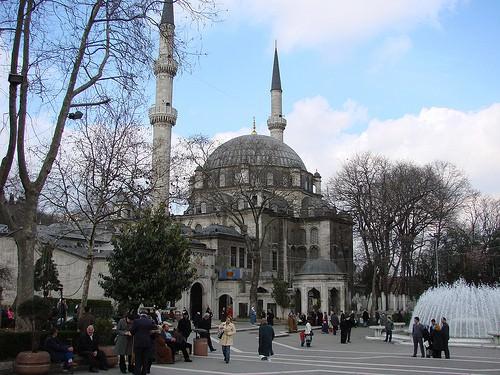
[198, 228]
[222, 179]
[314, 236]
[203, 208]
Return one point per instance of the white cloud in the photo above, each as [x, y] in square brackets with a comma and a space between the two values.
[299, 24]
[324, 138]
[391, 51]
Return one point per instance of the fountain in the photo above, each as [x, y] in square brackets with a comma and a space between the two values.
[472, 312]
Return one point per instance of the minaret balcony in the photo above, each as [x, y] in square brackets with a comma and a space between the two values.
[162, 114]
[165, 65]
[276, 122]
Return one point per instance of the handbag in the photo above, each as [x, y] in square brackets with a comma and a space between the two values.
[220, 333]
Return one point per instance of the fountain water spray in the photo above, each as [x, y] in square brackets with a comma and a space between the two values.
[471, 311]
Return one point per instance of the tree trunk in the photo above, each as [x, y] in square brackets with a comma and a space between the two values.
[25, 241]
[374, 305]
[88, 275]
[86, 284]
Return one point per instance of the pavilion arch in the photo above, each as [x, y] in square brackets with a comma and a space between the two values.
[196, 299]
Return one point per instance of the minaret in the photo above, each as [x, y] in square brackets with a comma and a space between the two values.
[276, 123]
[163, 115]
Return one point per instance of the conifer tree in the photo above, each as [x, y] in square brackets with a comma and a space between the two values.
[150, 263]
[46, 274]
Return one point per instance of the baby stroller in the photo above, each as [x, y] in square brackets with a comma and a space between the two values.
[428, 349]
[309, 339]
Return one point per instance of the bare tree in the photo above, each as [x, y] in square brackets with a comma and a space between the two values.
[101, 177]
[64, 55]
[396, 206]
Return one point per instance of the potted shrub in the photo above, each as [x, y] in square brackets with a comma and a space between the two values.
[37, 311]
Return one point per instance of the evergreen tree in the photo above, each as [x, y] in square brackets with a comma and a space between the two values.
[150, 264]
[280, 293]
[46, 275]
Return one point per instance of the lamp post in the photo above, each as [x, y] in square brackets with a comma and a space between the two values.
[61, 306]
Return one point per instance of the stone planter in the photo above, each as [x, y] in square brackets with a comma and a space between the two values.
[29, 363]
[111, 356]
[200, 347]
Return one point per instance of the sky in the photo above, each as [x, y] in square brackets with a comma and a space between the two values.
[411, 80]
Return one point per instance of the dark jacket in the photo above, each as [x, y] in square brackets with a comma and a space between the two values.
[204, 324]
[56, 348]
[266, 337]
[446, 332]
[437, 340]
[141, 330]
[184, 327]
[417, 331]
[86, 344]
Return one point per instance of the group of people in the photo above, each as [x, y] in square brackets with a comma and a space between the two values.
[436, 335]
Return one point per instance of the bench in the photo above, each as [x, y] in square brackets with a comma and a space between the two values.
[377, 330]
[495, 336]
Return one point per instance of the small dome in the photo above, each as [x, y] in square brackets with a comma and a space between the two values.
[317, 175]
[254, 149]
[319, 267]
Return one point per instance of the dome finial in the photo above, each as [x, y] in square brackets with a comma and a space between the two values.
[254, 130]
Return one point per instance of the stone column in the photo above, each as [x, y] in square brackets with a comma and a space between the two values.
[303, 299]
[324, 298]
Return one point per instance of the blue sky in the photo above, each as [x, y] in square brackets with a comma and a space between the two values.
[414, 80]
[409, 79]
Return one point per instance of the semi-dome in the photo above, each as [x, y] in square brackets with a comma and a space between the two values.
[319, 267]
[254, 149]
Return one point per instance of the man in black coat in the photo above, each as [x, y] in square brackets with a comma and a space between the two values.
[266, 337]
[344, 324]
[88, 347]
[141, 331]
[184, 328]
[205, 324]
[445, 328]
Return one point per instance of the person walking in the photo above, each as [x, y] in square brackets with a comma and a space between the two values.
[366, 318]
[253, 315]
[228, 330]
[445, 328]
[124, 343]
[343, 330]
[334, 319]
[349, 326]
[270, 317]
[418, 334]
[206, 325]
[266, 337]
[308, 334]
[389, 326]
[141, 331]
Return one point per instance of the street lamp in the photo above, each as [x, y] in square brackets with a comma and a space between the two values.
[75, 115]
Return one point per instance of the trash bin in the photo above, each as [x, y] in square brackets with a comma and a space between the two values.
[200, 347]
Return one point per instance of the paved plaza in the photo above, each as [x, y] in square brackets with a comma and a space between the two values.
[328, 356]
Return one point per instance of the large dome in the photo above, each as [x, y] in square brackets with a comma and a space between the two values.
[254, 149]
[319, 267]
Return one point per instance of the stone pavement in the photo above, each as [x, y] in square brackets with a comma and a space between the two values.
[328, 356]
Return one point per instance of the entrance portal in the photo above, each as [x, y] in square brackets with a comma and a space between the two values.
[333, 300]
[196, 299]
[313, 300]
[225, 305]
[298, 301]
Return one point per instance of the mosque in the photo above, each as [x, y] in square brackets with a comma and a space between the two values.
[253, 188]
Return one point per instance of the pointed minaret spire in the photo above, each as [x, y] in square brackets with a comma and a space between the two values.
[163, 115]
[276, 123]
[254, 129]
[167, 15]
